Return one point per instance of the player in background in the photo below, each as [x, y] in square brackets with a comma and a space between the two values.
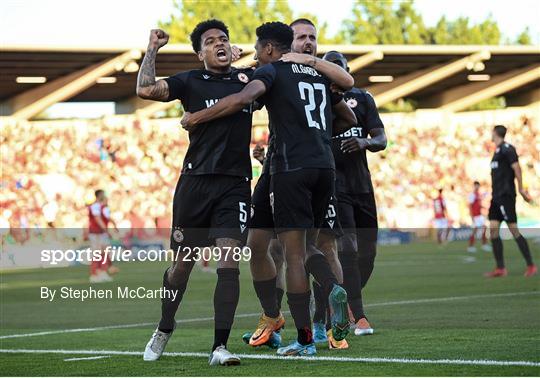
[505, 170]
[301, 165]
[441, 218]
[357, 210]
[478, 220]
[99, 236]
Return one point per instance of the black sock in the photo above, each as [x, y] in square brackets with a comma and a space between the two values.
[366, 261]
[524, 248]
[279, 297]
[168, 306]
[226, 297]
[267, 294]
[317, 265]
[498, 252]
[320, 303]
[299, 306]
[352, 283]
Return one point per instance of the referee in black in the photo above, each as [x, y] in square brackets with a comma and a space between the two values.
[504, 170]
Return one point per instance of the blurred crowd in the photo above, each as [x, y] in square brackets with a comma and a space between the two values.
[50, 170]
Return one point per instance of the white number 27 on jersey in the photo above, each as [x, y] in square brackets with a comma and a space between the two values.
[307, 93]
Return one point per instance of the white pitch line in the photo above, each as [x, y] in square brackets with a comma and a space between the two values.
[274, 357]
[119, 326]
[86, 358]
[194, 320]
[445, 299]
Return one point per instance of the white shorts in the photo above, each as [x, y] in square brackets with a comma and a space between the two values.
[99, 241]
[479, 221]
[440, 223]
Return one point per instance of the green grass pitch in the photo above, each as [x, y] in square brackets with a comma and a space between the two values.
[425, 303]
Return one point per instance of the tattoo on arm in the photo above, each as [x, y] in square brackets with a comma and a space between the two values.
[147, 87]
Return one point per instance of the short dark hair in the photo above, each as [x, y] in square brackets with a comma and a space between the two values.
[203, 27]
[477, 183]
[302, 21]
[280, 34]
[98, 192]
[500, 130]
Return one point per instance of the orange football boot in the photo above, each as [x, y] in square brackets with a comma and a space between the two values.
[264, 330]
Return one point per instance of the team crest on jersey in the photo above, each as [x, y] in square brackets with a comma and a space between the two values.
[243, 77]
[352, 103]
[178, 236]
[206, 77]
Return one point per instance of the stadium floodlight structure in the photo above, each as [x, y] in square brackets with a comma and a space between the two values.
[435, 76]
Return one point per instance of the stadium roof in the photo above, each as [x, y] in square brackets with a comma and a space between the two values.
[436, 76]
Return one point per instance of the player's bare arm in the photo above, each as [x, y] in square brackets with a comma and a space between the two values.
[147, 86]
[345, 118]
[517, 171]
[376, 142]
[335, 73]
[226, 106]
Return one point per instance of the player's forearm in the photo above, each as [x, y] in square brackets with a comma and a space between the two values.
[147, 86]
[224, 107]
[517, 173]
[377, 143]
[334, 72]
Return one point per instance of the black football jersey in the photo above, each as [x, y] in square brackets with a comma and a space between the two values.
[299, 104]
[352, 171]
[502, 174]
[220, 146]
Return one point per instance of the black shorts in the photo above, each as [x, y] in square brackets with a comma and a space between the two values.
[300, 198]
[207, 207]
[261, 210]
[358, 214]
[503, 209]
[331, 224]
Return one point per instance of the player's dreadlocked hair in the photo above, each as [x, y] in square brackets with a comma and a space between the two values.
[278, 33]
[203, 27]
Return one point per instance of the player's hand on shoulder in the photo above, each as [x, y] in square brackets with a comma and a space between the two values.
[188, 121]
[292, 57]
[158, 38]
[236, 53]
[354, 144]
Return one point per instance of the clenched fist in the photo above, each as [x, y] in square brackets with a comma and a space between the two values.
[158, 38]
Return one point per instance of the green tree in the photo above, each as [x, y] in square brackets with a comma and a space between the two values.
[241, 17]
[412, 25]
[524, 38]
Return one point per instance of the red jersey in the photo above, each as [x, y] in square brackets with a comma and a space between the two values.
[475, 203]
[439, 206]
[96, 210]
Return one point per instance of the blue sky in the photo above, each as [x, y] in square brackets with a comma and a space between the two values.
[127, 23]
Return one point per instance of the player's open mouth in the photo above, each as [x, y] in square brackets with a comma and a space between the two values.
[221, 55]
